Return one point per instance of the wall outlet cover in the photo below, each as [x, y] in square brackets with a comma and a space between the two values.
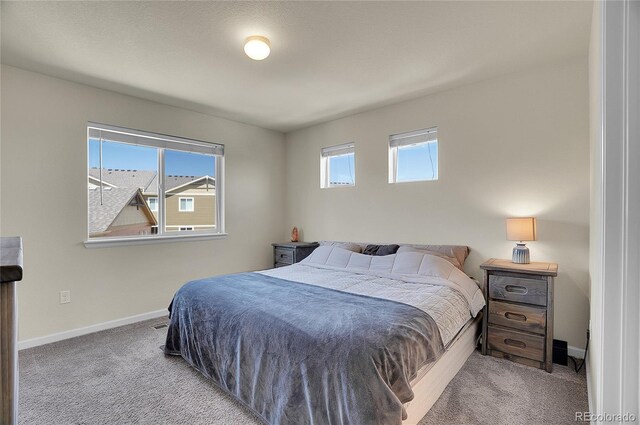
[65, 296]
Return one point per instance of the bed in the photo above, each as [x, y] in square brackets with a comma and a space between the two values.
[339, 338]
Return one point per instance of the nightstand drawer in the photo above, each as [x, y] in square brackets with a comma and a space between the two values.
[518, 316]
[283, 256]
[516, 343]
[282, 265]
[518, 289]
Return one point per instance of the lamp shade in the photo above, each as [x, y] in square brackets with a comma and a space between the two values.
[521, 229]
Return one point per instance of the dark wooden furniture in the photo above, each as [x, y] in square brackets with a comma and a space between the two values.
[518, 320]
[10, 273]
[285, 254]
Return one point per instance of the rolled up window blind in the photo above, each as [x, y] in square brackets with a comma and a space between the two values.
[413, 137]
[345, 149]
[136, 137]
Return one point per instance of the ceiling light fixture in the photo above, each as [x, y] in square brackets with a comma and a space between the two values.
[257, 47]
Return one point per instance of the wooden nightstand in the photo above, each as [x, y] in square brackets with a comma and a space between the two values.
[285, 254]
[518, 319]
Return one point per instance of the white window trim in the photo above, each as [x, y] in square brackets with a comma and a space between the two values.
[149, 203]
[193, 203]
[137, 240]
[198, 146]
[397, 141]
[325, 167]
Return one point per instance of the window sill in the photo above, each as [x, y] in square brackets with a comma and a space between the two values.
[109, 242]
[338, 186]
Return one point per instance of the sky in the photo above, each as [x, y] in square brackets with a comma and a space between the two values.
[342, 168]
[131, 157]
[418, 162]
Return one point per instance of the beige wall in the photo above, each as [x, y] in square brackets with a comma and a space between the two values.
[512, 146]
[44, 140]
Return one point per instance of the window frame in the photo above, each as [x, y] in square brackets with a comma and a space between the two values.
[162, 142]
[193, 203]
[406, 139]
[336, 151]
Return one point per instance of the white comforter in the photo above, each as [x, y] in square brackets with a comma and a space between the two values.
[424, 281]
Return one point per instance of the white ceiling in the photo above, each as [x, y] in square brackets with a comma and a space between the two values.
[328, 59]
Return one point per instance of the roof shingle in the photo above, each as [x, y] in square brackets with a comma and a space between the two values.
[114, 199]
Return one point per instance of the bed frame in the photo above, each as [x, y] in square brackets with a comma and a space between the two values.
[430, 383]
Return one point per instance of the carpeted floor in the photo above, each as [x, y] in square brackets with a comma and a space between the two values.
[120, 376]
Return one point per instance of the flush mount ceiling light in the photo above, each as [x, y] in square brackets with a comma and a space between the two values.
[257, 47]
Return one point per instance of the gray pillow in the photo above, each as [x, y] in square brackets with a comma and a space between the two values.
[380, 249]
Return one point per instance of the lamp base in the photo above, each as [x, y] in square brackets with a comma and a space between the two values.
[520, 254]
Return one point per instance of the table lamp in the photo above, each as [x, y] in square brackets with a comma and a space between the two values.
[521, 229]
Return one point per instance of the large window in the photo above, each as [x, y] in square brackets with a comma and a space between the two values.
[413, 156]
[337, 166]
[144, 186]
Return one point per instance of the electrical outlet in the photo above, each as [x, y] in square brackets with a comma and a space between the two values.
[65, 297]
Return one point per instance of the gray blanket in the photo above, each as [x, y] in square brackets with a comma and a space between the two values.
[302, 354]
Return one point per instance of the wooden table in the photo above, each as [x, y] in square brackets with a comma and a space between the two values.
[10, 273]
[518, 324]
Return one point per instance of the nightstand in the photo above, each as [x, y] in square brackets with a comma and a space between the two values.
[518, 320]
[285, 254]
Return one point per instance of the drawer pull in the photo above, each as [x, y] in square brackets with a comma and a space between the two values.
[515, 343]
[514, 289]
[515, 316]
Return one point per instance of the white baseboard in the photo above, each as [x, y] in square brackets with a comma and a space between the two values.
[578, 353]
[48, 339]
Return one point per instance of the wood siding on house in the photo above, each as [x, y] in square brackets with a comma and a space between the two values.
[131, 215]
[204, 210]
[203, 215]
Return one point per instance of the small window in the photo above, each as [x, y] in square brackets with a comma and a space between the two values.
[153, 203]
[337, 166]
[186, 205]
[413, 156]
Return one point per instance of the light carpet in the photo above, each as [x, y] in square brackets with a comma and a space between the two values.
[120, 376]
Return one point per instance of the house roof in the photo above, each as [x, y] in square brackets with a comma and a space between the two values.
[125, 178]
[146, 180]
[114, 199]
[171, 181]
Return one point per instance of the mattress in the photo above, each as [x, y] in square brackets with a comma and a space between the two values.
[449, 296]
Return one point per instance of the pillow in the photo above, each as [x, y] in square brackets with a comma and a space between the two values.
[349, 246]
[451, 259]
[409, 265]
[380, 249]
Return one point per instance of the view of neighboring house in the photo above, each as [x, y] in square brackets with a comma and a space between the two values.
[119, 211]
[189, 203]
